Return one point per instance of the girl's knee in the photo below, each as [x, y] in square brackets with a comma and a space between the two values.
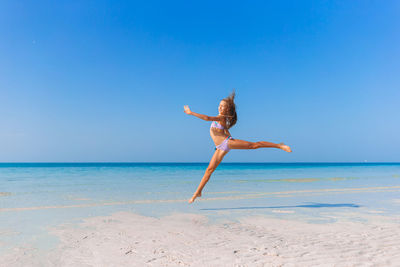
[210, 170]
[255, 145]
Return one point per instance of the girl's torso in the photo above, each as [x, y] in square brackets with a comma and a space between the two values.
[218, 133]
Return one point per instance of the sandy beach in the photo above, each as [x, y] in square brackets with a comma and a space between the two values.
[128, 239]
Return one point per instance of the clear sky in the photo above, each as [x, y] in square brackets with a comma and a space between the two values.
[107, 80]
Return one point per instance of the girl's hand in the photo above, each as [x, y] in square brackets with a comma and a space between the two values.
[187, 110]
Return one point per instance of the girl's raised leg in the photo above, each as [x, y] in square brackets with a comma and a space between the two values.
[241, 144]
[214, 162]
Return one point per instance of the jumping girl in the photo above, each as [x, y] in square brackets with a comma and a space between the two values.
[223, 140]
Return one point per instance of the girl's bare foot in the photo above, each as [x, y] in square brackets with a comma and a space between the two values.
[284, 147]
[194, 197]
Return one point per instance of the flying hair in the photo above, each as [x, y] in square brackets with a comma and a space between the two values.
[231, 116]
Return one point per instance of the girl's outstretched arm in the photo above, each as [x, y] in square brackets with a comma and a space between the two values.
[201, 116]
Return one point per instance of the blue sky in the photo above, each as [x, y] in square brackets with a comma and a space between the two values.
[107, 80]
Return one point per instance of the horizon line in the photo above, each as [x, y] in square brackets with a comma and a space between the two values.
[188, 162]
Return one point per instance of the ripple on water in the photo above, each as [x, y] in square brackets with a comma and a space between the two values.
[296, 180]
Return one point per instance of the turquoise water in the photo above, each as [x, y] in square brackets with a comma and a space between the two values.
[37, 186]
[37, 196]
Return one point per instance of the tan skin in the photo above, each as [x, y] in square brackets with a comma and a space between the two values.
[218, 136]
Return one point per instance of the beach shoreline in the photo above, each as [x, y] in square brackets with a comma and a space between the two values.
[249, 215]
[187, 239]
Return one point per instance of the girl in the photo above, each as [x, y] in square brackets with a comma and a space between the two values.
[219, 132]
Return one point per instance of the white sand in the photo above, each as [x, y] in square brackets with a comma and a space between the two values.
[127, 239]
